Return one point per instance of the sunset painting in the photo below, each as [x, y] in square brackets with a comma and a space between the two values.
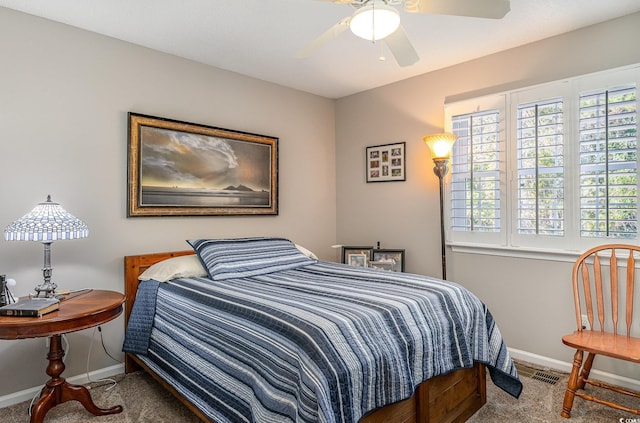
[183, 170]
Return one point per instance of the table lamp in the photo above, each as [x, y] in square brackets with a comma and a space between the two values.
[46, 223]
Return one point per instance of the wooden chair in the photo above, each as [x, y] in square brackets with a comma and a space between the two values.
[597, 294]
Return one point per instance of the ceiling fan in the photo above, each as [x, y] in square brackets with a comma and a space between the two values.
[376, 20]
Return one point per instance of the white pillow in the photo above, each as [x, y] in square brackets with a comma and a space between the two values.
[175, 267]
[306, 252]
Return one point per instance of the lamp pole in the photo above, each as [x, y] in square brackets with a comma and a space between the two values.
[441, 169]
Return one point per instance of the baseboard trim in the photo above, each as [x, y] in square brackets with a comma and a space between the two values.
[539, 360]
[28, 394]
[563, 366]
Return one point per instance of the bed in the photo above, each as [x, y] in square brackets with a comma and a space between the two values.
[446, 392]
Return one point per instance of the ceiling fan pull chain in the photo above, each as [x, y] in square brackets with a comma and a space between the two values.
[373, 22]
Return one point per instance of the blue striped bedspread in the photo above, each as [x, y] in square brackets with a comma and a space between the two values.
[320, 343]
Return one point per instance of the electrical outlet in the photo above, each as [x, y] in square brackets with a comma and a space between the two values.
[585, 322]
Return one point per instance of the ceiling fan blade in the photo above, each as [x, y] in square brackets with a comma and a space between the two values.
[324, 38]
[401, 48]
[491, 9]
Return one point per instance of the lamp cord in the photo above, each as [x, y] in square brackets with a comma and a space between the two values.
[109, 380]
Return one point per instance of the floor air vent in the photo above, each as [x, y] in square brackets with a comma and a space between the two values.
[536, 374]
[545, 377]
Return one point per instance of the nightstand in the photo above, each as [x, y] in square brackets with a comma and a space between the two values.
[81, 310]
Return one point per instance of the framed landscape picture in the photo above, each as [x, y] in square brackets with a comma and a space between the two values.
[185, 169]
[386, 162]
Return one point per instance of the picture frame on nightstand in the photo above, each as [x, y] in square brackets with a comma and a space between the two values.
[387, 259]
[357, 260]
[361, 255]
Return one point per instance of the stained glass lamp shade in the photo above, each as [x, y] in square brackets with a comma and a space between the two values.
[46, 223]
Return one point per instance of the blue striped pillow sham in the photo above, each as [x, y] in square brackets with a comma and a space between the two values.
[244, 257]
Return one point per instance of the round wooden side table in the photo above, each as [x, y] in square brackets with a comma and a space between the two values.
[81, 310]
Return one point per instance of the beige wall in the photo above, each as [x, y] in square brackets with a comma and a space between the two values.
[64, 98]
[530, 299]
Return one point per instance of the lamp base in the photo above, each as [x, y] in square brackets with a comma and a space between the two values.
[46, 290]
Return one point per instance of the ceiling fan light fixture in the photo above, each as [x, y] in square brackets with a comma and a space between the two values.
[375, 21]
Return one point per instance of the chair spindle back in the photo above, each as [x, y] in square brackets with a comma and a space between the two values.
[590, 295]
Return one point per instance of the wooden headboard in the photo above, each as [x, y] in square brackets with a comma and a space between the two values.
[133, 267]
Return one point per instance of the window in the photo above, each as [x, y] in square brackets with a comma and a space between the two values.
[540, 137]
[608, 163]
[477, 212]
[546, 168]
[475, 185]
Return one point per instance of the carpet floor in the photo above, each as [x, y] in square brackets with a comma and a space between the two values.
[541, 401]
[144, 400]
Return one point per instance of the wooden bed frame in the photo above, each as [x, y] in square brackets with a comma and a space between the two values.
[453, 397]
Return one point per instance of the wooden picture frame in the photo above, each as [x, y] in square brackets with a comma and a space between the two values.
[180, 168]
[386, 163]
[387, 259]
[348, 251]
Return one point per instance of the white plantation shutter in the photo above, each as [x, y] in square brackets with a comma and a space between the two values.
[540, 165]
[609, 163]
[475, 172]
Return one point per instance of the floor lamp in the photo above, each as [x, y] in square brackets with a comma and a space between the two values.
[440, 146]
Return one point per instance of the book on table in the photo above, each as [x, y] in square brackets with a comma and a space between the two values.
[31, 307]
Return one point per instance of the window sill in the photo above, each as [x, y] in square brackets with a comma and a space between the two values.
[516, 252]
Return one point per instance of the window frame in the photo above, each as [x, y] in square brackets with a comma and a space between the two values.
[507, 242]
[529, 95]
[497, 102]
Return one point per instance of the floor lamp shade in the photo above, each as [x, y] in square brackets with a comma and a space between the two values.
[440, 144]
[46, 223]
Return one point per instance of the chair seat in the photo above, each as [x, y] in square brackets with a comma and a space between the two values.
[609, 344]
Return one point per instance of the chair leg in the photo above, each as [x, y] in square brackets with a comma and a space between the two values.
[572, 385]
[586, 370]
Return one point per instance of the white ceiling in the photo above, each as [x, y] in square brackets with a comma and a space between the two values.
[259, 38]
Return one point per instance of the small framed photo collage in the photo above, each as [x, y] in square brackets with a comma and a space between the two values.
[375, 258]
[386, 163]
